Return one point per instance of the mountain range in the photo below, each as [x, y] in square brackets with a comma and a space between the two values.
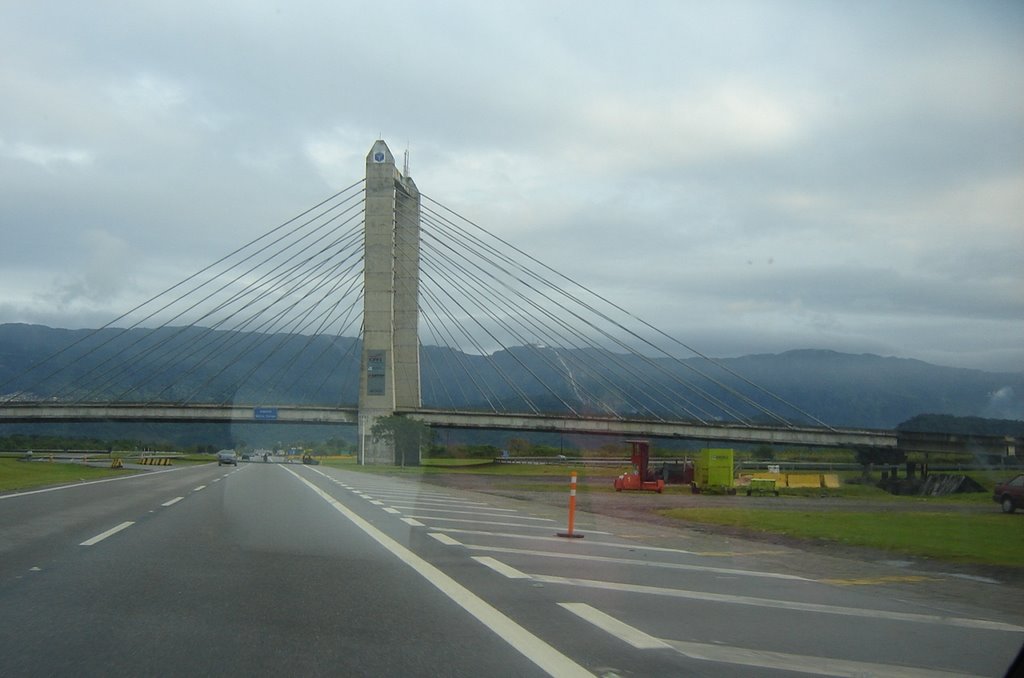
[167, 364]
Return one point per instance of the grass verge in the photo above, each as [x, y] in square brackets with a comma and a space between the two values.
[22, 475]
[984, 539]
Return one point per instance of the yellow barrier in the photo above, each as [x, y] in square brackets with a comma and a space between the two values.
[802, 480]
[155, 461]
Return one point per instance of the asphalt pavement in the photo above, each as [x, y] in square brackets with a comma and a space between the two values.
[271, 569]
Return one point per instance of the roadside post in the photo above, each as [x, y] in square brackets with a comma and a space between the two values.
[572, 510]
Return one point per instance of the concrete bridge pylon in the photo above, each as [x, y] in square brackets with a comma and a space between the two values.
[390, 370]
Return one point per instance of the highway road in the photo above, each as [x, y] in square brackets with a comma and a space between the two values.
[281, 569]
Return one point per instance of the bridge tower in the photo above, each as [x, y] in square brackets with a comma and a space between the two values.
[390, 374]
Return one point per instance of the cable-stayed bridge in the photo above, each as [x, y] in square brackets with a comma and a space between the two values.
[379, 301]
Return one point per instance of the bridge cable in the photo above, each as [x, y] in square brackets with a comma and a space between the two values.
[469, 295]
[323, 320]
[270, 326]
[622, 345]
[616, 341]
[146, 335]
[528, 323]
[447, 355]
[632, 333]
[604, 333]
[256, 287]
[210, 347]
[549, 330]
[109, 325]
[656, 330]
[433, 301]
[496, 295]
[345, 319]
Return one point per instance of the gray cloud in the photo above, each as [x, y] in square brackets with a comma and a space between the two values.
[753, 176]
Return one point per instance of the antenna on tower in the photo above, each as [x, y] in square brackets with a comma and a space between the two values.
[405, 165]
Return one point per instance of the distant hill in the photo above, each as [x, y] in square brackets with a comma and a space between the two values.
[881, 392]
[973, 426]
[838, 388]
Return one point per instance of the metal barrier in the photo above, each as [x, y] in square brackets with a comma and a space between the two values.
[581, 461]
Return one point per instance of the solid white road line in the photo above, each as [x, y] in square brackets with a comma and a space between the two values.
[761, 659]
[103, 535]
[443, 501]
[499, 524]
[445, 539]
[481, 507]
[172, 502]
[472, 513]
[411, 493]
[783, 604]
[619, 629]
[639, 563]
[589, 542]
[533, 648]
[500, 567]
[818, 666]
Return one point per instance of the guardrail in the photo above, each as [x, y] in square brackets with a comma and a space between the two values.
[580, 461]
[89, 455]
[743, 465]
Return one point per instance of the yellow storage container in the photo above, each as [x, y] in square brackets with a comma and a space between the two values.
[714, 468]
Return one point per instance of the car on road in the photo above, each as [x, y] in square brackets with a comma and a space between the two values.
[227, 457]
[1010, 494]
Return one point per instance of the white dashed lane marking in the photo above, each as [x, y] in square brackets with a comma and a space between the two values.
[103, 535]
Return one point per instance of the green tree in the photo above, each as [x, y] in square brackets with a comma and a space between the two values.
[408, 436]
[518, 447]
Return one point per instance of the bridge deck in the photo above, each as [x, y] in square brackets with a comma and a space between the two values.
[712, 433]
[803, 436]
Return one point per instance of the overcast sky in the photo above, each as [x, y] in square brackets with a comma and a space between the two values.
[751, 177]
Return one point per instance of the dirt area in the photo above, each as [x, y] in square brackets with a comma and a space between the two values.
[595, 495]
[642, 508]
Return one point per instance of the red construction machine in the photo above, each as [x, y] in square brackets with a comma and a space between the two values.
[641, 477]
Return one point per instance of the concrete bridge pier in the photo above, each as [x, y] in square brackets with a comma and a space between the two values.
[390, 374]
